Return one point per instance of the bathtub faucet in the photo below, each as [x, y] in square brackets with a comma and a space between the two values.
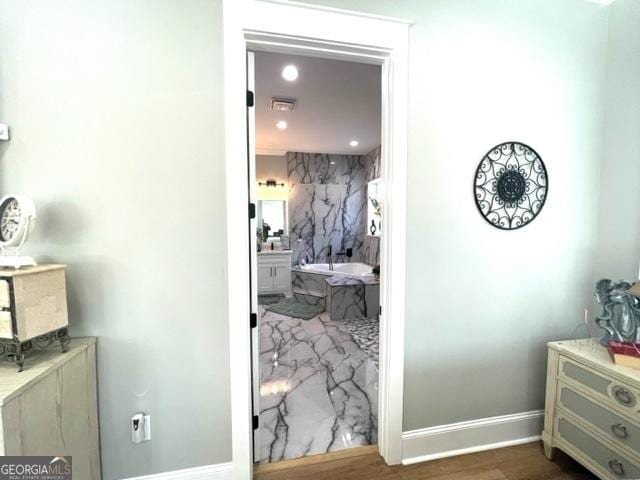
[329, 254]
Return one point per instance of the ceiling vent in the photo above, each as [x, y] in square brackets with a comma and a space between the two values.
[283, 104]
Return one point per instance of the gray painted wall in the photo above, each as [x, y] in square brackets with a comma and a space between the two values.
[116, 109]
[117, 122]
[619, 227]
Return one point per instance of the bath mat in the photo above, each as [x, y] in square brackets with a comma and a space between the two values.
[270, 299]
[292, 308]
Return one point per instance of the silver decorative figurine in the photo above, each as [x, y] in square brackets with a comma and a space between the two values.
[620, 318]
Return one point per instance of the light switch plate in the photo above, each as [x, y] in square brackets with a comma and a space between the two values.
[4, 131]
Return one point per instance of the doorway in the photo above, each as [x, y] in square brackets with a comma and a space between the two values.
[318, 195]
[327, 33]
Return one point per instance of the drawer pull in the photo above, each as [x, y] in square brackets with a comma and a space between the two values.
[619, 430]
[624, 396]
[616, 467]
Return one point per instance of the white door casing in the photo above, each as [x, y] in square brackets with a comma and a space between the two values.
[291, 27]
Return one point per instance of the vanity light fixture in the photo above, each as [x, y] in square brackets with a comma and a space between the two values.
[270, 183]
[282, 125]
[354, 143]
[290, 73]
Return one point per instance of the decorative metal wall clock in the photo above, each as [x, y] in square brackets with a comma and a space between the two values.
[511, 185]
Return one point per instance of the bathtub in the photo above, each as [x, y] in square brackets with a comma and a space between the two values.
[354, 269]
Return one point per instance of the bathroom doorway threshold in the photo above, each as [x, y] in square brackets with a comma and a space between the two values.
[306, 29]
[284, 465]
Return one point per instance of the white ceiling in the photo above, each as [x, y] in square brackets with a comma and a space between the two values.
[337, 102]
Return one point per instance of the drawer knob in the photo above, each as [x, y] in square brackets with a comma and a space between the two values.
[616, 467]
[624, 396]
[619, 430]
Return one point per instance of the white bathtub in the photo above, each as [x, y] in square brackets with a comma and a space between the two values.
[340, 269]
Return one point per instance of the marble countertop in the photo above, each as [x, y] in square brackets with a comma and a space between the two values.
[36, 364]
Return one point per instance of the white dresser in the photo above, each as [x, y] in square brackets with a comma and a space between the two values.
[592, 409]
[274, 272]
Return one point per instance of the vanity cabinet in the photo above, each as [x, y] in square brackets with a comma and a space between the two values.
[274, 272]
[592, 409]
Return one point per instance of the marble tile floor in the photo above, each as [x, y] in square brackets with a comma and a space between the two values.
[318, 388]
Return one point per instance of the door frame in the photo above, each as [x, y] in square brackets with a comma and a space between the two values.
[294, 27]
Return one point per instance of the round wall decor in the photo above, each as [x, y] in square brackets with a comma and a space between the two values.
[511, 185]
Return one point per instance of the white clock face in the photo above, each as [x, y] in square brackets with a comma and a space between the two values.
[9, 219]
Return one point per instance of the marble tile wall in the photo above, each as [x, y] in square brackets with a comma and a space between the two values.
[327, 205]
[352, 300]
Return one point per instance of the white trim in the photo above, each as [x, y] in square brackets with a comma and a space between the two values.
[221, 471]
[469, 437]
[331, 33]
[271, 152]
[355, 13]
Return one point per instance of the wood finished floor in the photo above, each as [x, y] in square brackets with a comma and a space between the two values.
[524, 462]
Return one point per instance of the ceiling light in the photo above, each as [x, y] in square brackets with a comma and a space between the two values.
[353, 143]
[282, 125]
[290, 73]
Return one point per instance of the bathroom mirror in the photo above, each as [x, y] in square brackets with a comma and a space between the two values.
[272, 218]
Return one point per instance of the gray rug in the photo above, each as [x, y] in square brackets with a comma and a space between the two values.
[292, 308]
[270, 299]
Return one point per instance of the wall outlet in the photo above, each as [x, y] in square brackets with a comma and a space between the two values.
[4, 132]
[140, 428]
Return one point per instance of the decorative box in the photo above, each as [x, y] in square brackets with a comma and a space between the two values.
[33, 310]
[626, 354]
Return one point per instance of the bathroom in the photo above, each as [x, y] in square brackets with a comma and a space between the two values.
[319, 218]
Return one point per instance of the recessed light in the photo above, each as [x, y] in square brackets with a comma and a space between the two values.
[354, 143]
[290, 73]
[282, 125]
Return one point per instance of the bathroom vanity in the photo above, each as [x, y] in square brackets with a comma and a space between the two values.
[274, 272]
[591, 409]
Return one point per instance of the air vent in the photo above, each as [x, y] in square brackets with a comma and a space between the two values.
[283, 104]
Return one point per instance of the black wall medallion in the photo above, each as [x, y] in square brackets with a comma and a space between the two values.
[511, 185]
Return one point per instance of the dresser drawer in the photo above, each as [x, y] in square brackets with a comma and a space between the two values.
[600, 385]
[605, 458]
[5, 297]
[6, 328]
[617, 428]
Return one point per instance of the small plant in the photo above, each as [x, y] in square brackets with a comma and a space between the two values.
[377, 207]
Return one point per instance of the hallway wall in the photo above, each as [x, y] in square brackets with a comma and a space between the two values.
[116, 115]
[618, 255]
[117, 123]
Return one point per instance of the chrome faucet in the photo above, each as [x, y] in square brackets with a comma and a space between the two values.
[329, 254]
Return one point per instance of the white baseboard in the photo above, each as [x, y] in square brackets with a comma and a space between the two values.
[220, 471]
[469, 437]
